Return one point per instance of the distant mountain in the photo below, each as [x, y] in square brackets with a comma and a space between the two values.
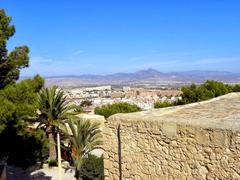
[200, 76]
[149, 77]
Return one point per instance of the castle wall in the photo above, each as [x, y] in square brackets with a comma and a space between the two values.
[143, 146]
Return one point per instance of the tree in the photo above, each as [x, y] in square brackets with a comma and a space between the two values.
[83, 137]
[216, 88]
[18, 102]
[10, 63]
[53, 108]
[18, 106]
[205, 91]
[236, 88]
[110, 109]
[190, 93]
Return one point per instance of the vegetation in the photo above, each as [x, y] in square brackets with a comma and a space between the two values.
[18, 106]
[205, 91]
[110, 109]
[22, 147]
[163, 104]
[10, 62]
[52, 163]
[18, 103]
[208, 90]
[86, 103]
[83, 137]
[22, 102]
[80, 108]
[236, 88]
[53, 108]
[92, 168]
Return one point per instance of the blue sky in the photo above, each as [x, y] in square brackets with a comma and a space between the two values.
[72, 37]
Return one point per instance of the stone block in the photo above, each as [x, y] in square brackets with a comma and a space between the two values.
[169, 130]
[219, 138]
[202, 137]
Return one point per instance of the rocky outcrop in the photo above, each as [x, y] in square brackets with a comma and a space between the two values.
[197, 141]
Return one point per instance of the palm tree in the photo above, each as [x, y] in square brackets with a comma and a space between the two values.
[83, 137]
[53, 107]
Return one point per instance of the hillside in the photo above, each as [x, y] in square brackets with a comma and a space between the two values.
[147, 77]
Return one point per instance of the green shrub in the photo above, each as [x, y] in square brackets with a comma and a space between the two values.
[208, 90]
[160, 104]
[78, 109]
[23, 149]
[236, 88]
[86, 103]
[52, 163]
[92, 168]
[110, 109]
[205, 91]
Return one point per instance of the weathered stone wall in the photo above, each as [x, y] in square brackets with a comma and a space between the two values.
[144, 148]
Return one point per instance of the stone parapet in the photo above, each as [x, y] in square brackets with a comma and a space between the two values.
[197, 141]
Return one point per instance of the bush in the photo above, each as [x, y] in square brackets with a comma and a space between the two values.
[236, 88]
[52, 163]
[86, 103]
[23, 149]
[205, 91]
[92, 168]
[208, 90]
[78, 109]
[110, 109]
[160, 104]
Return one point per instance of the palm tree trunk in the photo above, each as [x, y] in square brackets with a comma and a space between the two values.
[78, 166]
[77, 174]
[52, 147]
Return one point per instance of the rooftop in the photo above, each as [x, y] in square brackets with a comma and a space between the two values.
[221, 112]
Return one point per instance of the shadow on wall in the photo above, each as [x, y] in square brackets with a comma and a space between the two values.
[119, 152]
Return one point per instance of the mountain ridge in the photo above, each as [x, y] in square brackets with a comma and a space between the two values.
[152, 71]
[148, 77]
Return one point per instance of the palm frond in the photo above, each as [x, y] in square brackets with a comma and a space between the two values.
[84, 136]
[53, 106]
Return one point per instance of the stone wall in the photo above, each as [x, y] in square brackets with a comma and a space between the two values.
[149, 145]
